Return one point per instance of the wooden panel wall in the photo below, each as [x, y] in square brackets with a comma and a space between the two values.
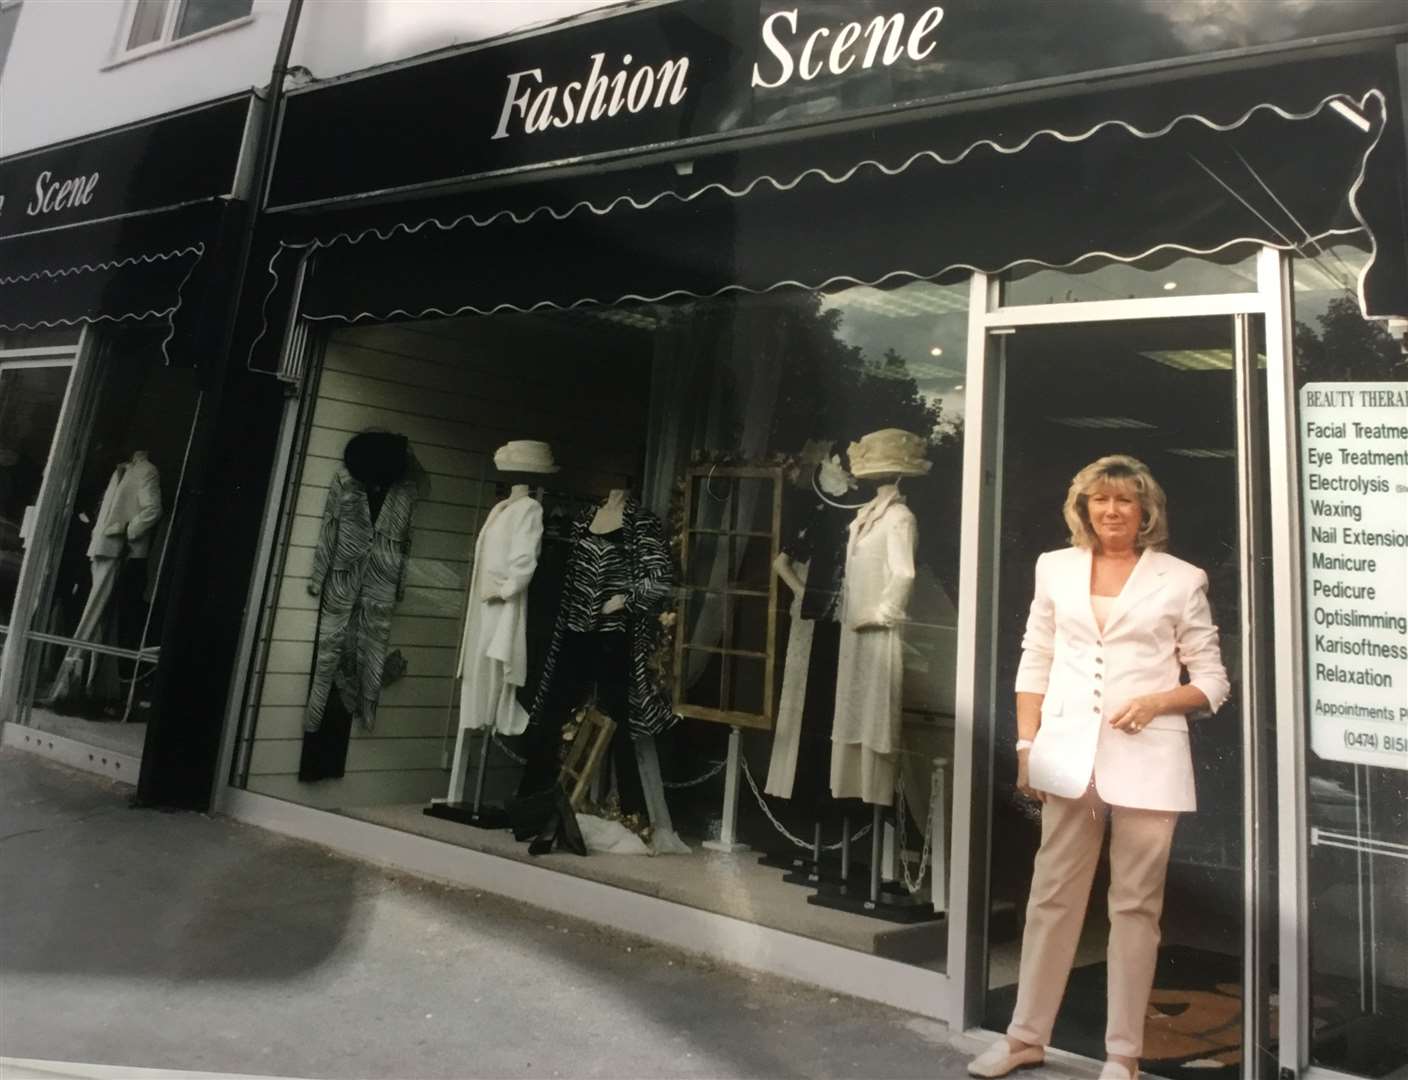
[458, 389]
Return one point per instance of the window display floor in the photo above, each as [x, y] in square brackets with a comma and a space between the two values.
[106, 735]
[732, 885]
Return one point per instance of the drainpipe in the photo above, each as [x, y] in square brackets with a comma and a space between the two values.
[182, 749]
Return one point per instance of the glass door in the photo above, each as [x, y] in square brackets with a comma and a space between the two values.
[1164, 391]
[32, 395]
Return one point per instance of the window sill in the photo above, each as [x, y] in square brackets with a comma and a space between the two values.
[159, 47]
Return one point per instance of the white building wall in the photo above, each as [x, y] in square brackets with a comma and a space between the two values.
[341, 36]
[66, 75]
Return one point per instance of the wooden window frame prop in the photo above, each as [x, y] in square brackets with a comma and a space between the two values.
[695, 477]
[584, 756]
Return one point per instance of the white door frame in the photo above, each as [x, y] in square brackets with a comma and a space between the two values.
[976, 692]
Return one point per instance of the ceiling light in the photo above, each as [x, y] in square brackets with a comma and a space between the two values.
[936, 351]
[1169, 286]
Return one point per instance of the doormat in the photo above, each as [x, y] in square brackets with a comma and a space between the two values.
[1193, 1030]
[1194, 1023]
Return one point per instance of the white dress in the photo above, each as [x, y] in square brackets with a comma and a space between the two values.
[865, 734]
[494, 653]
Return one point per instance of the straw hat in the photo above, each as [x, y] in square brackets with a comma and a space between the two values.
[525, 456]
[889, 452]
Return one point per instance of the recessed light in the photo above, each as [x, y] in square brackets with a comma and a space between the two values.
[1169, 286]
[936, 351]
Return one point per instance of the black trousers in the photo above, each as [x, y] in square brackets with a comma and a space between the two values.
[587, 662]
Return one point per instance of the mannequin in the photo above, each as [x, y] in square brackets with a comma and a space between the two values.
[880, 547]
[359, 571]
[494, 652]
[811, 565]
[117, 554]
[618, 575]
[493, 664]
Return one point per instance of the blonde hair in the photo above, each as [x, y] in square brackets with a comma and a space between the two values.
[1117, 470]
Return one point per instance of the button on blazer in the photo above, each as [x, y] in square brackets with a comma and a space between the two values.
[1159, 624]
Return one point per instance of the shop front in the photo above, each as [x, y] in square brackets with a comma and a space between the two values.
[111, 249]
[679, 402]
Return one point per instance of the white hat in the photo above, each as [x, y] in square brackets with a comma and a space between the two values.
[524, 455]
[889, 452]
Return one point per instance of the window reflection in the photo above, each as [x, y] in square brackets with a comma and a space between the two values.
[1163, 275]
[1356, 802]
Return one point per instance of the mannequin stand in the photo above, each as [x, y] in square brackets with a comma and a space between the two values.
[728, 829]
[475, 813]
[880, 899]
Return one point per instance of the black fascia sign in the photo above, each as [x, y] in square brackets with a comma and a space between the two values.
[163, 163]
[641, 79]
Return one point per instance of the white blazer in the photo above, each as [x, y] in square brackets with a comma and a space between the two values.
[1159, 624]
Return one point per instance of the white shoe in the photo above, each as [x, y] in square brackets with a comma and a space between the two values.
[999, 1059]
[1113, 1070]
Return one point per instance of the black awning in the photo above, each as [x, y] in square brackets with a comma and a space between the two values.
[1294, 159]
[142, 268]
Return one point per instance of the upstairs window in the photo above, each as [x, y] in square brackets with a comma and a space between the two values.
[156, 22]
[9, 19]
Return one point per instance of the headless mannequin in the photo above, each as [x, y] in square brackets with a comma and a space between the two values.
[637, 759]
[810, 565]
[608, 519]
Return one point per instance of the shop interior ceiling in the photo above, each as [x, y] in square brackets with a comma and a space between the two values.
[1195, 165]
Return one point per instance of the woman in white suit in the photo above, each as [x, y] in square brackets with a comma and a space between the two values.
[1102, 731]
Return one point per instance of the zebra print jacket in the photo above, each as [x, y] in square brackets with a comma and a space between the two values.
[652, 576]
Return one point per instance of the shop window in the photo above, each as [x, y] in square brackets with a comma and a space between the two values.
[93, 639]
[1352, 401]
[732, 420]
[1168, 274]
[154, 22]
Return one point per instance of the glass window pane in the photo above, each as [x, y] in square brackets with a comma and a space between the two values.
[775, 390]
[147, 22]
[106, 572]
[31, 399]
[1164, 275]
[198, 15]
[1351, 376]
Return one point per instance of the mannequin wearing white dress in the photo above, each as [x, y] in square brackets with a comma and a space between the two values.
[865, 734]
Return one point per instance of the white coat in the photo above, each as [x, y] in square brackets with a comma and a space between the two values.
[130, 509]
[1159, 624]
[494, 652]
[865, 731]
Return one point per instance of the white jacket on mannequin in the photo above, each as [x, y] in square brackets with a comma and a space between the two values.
[130, 509]
[1159, 624]
[494, 652]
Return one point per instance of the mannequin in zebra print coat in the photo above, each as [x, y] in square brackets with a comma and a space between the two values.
[359, 571]
[630, 614]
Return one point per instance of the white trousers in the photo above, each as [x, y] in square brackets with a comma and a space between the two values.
[1072, 833]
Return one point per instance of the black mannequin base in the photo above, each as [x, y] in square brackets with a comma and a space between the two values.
[487, 816]
[892, 904]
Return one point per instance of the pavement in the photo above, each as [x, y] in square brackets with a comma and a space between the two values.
[143, 945]
[136, 940]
